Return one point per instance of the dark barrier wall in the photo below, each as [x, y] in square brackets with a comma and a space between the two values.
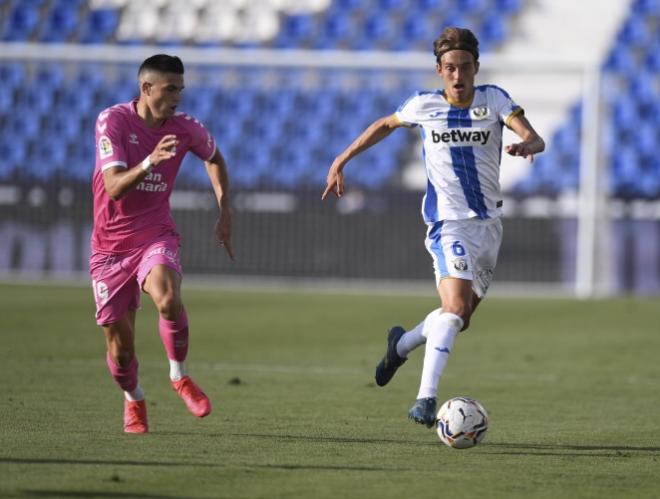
[46, 228]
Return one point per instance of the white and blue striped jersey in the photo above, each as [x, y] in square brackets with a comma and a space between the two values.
[462, 151]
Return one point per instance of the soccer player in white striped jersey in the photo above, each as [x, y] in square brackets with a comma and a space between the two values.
[461, 127]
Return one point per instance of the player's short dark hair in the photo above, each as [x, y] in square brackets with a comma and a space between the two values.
[453, 38]
[162, 63]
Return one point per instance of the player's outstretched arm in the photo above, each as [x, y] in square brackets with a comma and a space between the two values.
[118, 181]
[373, 134]
[531, 144]
[217, 171]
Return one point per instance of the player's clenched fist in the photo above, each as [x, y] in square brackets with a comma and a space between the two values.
[164, 150]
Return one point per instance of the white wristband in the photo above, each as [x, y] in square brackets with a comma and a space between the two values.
[147, 165]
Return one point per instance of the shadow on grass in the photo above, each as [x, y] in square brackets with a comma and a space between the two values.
[96, 462]
[528, 449]
[89, 493]
[339, 440]
[117, 462]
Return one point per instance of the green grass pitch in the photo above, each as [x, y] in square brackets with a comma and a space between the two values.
[572, 388]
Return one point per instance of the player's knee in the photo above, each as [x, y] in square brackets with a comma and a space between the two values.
[463, 310]
[169, 307]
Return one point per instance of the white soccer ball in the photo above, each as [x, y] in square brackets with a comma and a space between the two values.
[462, 422]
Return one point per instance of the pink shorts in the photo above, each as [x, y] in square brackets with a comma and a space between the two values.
[117, 279]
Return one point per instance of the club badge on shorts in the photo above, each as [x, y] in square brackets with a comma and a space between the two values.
[460, 264]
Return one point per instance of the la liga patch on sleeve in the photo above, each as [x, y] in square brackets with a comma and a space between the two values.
[105, 147]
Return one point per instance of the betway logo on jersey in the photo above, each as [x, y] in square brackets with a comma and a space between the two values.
[462, 136]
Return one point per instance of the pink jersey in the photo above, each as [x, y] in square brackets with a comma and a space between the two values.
[142, 214]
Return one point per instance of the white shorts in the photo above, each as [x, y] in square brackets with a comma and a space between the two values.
[466, 249]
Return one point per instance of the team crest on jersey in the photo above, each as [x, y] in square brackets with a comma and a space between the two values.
[460, 264]
[133, 138]
[105, 147]
[479, 113]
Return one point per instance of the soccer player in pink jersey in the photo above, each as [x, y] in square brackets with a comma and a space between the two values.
[135, 244]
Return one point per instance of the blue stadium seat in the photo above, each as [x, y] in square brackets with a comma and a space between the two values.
[336, 29]
[62, 22]
[647, 138]
[634, 32]
[81, 161]
[6, 99]
[13, 151]
[652, 59]
[90, 77]
[391, 5]
[49, 156]
[348, 5]
[493, 31]
[122, 92]
[12, 75]
[474, 7]
[34, 99]
[99, 26]
[22, 22]
[60, 125]
[378, 29]
[626, 173]
[434, 5]
[417, 27]
[294, 30]
[508, 6]
[646, 7]
[643, 86]
[49, 76]
[22, 124]
[76, 101]
[293, 166]
[620, 60]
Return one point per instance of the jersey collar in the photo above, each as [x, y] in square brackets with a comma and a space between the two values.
[462, 105]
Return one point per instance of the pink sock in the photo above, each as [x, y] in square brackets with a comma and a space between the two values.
[174, 335]
[126, 377]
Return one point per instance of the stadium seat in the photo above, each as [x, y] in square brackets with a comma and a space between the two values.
[646, 7]
[473, 7]
[295, 29]
[62, 22]
[652, 59]
[6, 99]
[13, 151]
[493, 31]
[634, 32]
[508, 6]
[99, 26]
[49, 155]
[620, 60]
[417, 28]
[435, 5]
[391, 5]
[644, 87]
[22, 22]
[12, 75]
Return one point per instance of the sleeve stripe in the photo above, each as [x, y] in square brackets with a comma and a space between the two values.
[402, 122]
[516, 112]
[113, 163]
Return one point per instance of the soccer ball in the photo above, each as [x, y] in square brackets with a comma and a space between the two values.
[461, 422]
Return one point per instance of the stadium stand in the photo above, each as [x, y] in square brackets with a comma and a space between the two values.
[631, 85]
[61, 100]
